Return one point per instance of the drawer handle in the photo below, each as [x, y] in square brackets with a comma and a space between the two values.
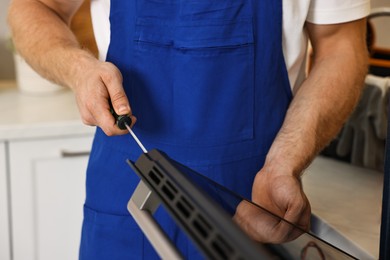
[68, 154]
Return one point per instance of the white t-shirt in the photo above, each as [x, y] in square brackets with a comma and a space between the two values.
[295, 14]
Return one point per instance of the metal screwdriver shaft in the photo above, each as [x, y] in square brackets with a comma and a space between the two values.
[136, 138]
[124, 122]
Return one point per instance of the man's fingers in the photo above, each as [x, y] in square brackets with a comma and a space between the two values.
[120, 103]
[100, 85]
[106, 121]
[103, 118]
[118, 99]
[304, 221]
[133, 120]
[117, 95]
[299, 212]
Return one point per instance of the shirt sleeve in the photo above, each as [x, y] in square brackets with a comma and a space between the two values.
[337, 11]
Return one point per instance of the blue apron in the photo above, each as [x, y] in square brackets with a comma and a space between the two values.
[208, 84]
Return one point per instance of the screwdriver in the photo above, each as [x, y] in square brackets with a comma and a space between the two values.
[124, 122]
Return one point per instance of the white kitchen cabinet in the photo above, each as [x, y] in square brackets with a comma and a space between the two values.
[47, 183]
[5, 246]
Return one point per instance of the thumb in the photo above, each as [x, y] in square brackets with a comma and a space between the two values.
[113, 81]
[119, 102]
[118, 97]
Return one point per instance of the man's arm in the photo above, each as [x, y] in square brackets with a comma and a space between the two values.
[316, 114]
[41, 34]
[326, 98]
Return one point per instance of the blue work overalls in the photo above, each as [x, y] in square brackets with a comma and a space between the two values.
[208, 84]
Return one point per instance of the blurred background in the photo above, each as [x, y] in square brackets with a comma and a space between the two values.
[7, 71]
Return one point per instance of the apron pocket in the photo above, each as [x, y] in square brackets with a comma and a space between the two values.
[198, 77]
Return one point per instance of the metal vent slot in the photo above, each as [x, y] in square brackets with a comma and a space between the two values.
[168, 192]
[186, 203]
[154, 177]
[171, 187]
[158, 172]
[202, 226]
[201, 229]
[221, 247]
[185, 211]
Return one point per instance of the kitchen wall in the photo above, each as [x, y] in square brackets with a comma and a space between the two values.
[6, 59]
[381, 24]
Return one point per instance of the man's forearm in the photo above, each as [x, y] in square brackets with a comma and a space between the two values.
[322, 103]
[42, 36]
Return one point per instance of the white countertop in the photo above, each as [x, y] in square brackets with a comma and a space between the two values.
[25, 116]
[347, 197]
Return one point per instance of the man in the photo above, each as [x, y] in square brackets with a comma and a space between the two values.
[208, 83]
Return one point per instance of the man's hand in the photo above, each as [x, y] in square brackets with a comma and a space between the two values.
[282, 195]
[41, 34]
[317, 112]
[98, 84]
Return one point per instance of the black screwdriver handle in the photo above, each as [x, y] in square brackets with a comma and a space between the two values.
[120, 120]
